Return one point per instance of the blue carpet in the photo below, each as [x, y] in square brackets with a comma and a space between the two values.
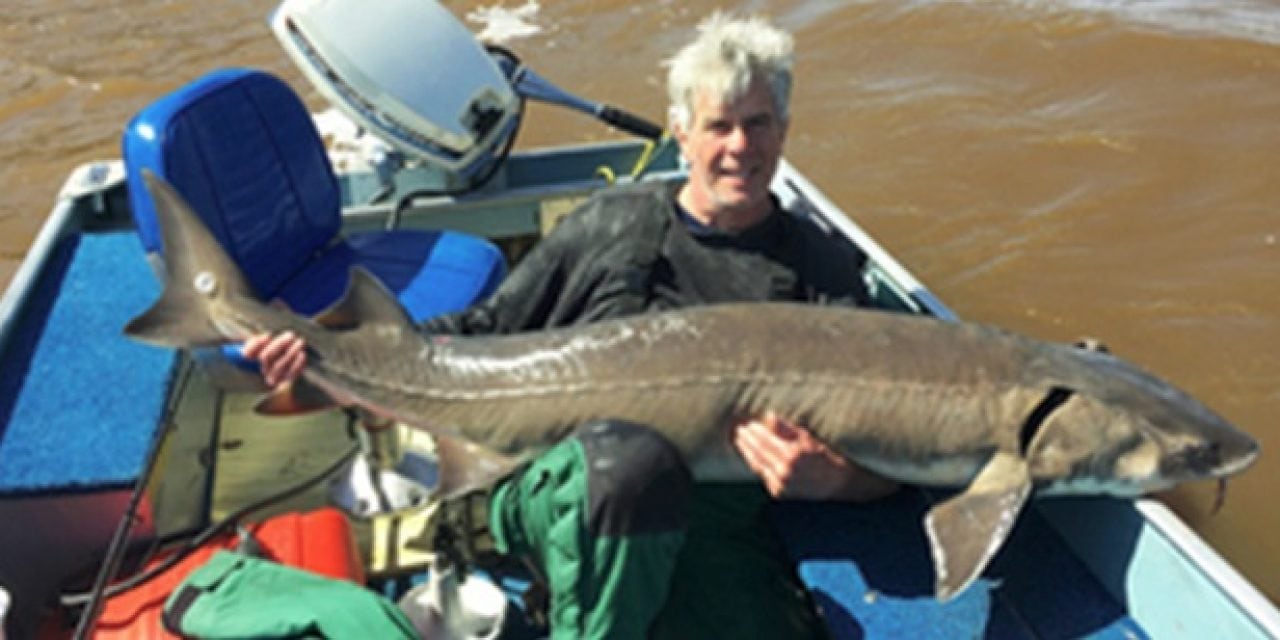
[869, 569]
[79, 402]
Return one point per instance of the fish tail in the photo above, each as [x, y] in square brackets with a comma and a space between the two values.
[197, 272]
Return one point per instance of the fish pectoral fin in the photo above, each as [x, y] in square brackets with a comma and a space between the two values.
[465, 467]
[966, 530]
[297, 398]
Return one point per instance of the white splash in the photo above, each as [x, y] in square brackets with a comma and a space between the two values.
[1256, 20]
[501, 24]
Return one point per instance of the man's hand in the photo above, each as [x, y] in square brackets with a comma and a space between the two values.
[281, 356]
[795, 465]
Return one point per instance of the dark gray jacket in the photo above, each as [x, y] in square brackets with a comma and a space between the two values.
[628, 250]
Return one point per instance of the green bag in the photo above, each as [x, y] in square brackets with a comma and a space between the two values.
[238, 596]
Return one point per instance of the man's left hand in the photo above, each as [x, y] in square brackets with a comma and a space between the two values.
[793, 464]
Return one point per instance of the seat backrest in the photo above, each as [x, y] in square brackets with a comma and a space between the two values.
[242, 148]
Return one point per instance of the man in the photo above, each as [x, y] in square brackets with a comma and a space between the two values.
[603, 515]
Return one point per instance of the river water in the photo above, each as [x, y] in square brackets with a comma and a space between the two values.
[1062, 168]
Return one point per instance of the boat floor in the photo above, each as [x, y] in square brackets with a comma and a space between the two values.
[867, 566]
[869, 570]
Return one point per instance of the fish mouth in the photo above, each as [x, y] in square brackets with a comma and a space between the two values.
[1236, 464]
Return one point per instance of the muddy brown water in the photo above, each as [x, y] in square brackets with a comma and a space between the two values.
[1060, 168]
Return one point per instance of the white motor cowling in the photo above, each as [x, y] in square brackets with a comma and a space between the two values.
[408, 72]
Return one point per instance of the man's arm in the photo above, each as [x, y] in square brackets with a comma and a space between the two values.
[791, 462]
[794, 465]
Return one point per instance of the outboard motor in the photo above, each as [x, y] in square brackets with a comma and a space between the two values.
[414, 76]
[411, 74]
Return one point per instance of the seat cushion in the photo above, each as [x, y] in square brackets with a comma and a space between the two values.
[431, 272]
[243, 150]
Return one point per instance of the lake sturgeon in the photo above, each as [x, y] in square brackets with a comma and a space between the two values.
[916, 399]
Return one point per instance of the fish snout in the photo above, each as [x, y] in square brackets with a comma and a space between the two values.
[1239, 459]
[1213, 459]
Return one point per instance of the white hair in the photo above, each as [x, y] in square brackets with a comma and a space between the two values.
[726, 57]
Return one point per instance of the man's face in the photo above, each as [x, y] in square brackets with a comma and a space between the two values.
[733, 150]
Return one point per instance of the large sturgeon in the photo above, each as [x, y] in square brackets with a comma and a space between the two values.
[916, 399]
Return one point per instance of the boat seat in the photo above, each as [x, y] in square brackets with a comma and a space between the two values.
[243, 150]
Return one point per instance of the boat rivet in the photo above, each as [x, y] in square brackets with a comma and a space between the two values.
[205, 283]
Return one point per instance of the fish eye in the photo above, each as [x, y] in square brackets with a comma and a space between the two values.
[205, 283]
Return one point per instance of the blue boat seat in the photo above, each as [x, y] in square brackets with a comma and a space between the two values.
[244, 151]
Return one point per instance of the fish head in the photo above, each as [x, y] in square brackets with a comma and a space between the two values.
[1200, 448]
[1124, 432]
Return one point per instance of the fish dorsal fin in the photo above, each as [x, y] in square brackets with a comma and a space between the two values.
[966, 530]
[465, 467]
[366, 301]
[299, 397]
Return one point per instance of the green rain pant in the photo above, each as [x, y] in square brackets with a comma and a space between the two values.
[630, 548]
[239, 596]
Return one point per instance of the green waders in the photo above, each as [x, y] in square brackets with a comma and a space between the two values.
[630, 549]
